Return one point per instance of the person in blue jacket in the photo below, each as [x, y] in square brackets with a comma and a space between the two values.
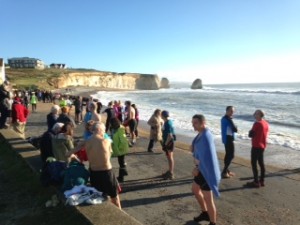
[206, 172]
[228, 130]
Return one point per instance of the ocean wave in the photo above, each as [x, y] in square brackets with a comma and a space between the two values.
[258, 91]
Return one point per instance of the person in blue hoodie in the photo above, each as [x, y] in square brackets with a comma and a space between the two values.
[228, 130]
[206, 172]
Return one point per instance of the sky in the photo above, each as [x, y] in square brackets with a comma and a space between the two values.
[218, 41]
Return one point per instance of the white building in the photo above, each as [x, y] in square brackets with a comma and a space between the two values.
[26, 62]
[2, 71]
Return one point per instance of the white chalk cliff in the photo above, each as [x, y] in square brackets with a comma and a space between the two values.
[130, 81]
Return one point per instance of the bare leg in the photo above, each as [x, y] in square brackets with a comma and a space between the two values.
[199, 196]
[170, 161]
[211, 208]
[116, 201]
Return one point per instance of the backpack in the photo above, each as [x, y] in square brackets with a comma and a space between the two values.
[52, 173]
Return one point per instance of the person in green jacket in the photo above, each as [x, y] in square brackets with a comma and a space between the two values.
[33, 101]
[120, 146]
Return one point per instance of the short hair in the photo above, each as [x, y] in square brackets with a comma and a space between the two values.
[262, 114]
[115, 123]
[229, 108]
[55, 109]
[64, 109]
[98, 126]
[199, 117]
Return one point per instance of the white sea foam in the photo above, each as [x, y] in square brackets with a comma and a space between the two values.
[282, 110]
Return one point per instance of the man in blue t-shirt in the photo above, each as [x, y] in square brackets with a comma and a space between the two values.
[169, 138]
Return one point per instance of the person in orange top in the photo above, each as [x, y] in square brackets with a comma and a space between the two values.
[258, 134]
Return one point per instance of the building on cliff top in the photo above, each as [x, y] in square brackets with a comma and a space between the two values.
[58, 66]
[26, 62]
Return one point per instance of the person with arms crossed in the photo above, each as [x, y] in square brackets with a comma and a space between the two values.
[228, 130]
[258, 134]
[206, 172]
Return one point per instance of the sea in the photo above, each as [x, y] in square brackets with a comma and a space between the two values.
[279, 101]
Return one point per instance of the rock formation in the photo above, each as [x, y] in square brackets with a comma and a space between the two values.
[129, 81]
[197, 84]
[164, 83]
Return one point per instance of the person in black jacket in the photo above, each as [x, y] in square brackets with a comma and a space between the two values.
[4, 106]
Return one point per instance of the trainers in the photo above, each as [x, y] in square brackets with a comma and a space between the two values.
[168, 175]
[262, 183]
[253, 184]
[203, 216]
[150, 150]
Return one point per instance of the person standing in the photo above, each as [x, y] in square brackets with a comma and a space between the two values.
[33, 101]
[19, 116]
[258, 135]
[228, 129]
[131, 121]
[155, 122]
[206, 171]
[4, 107]
[110, 114]
[98, 149]
[169, 139]
[120, 146]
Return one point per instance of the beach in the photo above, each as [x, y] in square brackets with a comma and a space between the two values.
[152, 200]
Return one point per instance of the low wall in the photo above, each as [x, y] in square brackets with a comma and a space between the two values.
[105, 213]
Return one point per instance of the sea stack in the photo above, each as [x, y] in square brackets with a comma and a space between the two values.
[197, 84]
[164, 83]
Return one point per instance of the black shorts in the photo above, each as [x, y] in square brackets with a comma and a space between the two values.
[105, 181]
[132, 125]
[200, 180]
[169, 147]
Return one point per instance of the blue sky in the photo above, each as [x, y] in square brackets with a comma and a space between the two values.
[217, 41]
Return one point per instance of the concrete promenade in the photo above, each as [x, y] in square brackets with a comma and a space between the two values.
[151, 200]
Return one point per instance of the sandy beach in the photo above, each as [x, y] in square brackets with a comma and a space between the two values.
[152, 200]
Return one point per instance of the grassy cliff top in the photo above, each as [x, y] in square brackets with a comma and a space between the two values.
[34, 78]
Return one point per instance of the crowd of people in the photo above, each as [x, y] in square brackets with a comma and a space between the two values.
[101, 141]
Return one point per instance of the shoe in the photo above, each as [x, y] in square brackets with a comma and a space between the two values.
[253, 184]
[150, 150]
[168, 176]
[203, 216]
[225, 175]
[262, 183]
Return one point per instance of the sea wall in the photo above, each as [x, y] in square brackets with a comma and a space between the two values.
[130, 81]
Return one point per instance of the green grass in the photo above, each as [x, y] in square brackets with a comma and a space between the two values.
[23, 198]
[34, 78]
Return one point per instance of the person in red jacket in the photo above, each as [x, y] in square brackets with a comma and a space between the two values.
[258, 134]
[19, 117]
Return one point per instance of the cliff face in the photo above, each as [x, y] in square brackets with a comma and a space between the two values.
[128, 81]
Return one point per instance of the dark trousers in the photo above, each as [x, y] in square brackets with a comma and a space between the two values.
[151, 145]
[3, 117]
[229, 153]
[257, 155]
[122, 170]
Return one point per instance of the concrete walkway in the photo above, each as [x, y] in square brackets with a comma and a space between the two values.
[152, 200]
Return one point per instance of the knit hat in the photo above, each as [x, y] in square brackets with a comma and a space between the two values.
[165, 114]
